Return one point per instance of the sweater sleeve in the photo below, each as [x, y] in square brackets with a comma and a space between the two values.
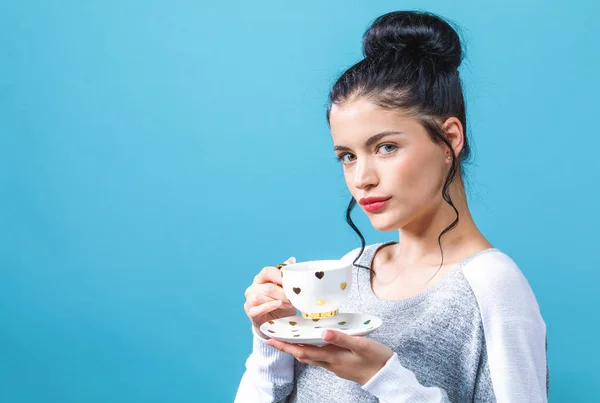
[395, 383]
[269, 375]
[514, 331]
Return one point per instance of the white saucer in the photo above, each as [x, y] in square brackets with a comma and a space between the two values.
[299, 330]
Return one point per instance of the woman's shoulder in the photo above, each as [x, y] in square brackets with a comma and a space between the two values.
[492, 267]
[499, 285]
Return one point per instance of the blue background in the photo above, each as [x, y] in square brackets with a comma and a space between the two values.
[155, 155]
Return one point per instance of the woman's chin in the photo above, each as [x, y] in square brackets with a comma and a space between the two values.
[384, 224]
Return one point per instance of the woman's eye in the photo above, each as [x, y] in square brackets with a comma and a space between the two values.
[346, 158]
[387, 148]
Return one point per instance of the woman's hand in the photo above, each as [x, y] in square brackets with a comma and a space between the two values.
[265, 299]
[354, 358]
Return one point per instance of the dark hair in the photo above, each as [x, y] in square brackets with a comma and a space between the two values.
[411, 62]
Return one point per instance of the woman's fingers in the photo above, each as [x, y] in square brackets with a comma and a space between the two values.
[270, 289]
[271, 274]
[266, 294]
[268, 274]
[273, 291]
[258, 298]
[263, 309]
[261, 293]
[312, 355]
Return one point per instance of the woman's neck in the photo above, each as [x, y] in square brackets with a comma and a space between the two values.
[419, 239]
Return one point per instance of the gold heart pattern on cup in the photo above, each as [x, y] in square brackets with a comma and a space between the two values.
[319, 275]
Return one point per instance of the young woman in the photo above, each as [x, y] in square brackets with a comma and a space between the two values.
[461, 323]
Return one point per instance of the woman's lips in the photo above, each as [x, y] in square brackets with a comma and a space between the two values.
[373, 204]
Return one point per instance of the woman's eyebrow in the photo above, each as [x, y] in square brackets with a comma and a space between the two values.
[372, 140]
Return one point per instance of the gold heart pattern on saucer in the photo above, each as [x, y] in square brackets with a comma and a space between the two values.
[300, 330]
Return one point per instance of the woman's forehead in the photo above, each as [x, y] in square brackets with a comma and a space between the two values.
[360, 118]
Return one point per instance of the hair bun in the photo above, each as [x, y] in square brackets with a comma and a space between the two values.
[420, 35]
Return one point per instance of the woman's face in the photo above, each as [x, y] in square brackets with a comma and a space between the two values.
[388, 156]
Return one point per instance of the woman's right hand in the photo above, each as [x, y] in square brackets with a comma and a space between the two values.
[265, 299]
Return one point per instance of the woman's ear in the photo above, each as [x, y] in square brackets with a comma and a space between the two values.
[453, 129]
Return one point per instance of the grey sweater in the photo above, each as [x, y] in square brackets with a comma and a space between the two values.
[475, 336]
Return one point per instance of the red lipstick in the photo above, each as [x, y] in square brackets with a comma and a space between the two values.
[372, 204]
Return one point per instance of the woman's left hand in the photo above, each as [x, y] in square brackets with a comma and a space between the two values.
[354, 358]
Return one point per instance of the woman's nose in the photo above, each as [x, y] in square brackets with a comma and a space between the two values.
[364, 175]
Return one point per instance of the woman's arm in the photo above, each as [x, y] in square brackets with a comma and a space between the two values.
[269, 375]
[395, 383]
[515, 333]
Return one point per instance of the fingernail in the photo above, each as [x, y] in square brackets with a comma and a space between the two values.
[327, 335]
[292, 260]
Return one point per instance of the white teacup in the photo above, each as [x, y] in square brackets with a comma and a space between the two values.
[317, 288]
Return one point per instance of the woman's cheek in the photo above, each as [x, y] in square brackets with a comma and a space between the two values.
[403, 171]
